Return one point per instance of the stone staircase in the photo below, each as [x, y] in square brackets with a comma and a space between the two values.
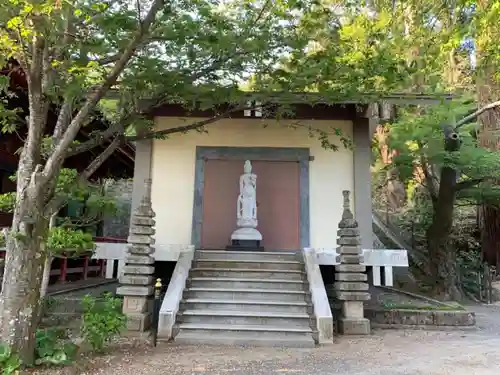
[245, 297]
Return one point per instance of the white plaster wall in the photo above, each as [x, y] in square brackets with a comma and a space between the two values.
[173, 170]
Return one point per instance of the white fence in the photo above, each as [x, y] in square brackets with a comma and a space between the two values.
[378, 259]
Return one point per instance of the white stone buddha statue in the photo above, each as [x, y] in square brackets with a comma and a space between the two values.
[246, 233]
[246, 214]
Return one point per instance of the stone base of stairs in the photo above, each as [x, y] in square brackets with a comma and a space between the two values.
[246, 298]
[223, 334]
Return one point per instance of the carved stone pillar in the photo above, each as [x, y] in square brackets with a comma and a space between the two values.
[351, 286]
[137, 279]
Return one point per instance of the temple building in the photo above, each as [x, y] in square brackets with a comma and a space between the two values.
[195, 176]
[247, 212]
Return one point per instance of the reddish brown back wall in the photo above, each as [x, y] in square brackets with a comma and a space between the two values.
[278, 209]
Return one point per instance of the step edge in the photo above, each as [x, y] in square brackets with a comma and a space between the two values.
[245, 302]
[274, 270]
[241, 290]
[222, 339]
[243, 314]
[247, 252]
[226, 327]
[249, 261]
[246, 280]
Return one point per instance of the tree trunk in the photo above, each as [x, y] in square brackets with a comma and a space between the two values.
[46, 276]
[442, 256]
[443, 263]
[20, 297]
[21, 285]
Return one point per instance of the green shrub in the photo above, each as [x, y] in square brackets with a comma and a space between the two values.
[102, 320]
[9, 362]
[63, 239]
[53, 347]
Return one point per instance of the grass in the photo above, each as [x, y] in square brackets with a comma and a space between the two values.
[408, 306]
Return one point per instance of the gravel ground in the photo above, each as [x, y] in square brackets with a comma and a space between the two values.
[383, 353]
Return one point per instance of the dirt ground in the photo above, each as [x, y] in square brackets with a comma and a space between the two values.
[382, 353]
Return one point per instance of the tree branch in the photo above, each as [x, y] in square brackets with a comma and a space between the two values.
[428, 175]
[96, 140]
[101, 158]
[473, 182]
[22, 56]
[100, 138]
[468, 183]
[56, 203]
[109, 59]
[63, 119]
[48, 71]
[476, 114]
[57, 157]
[429, 180]
[38, 108]
[185, 128]
[261, 12]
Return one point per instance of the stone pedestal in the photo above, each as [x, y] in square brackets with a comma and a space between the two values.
[351, 287]
[137, 279]
[245, 239]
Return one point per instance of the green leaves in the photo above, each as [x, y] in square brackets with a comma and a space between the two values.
[9, 362]
[53, 347]
[7, 202]
[5, 352]
[68, 240]
[419, 141]
[102, 320]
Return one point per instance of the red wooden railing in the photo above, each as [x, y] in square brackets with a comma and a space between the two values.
[81, 268]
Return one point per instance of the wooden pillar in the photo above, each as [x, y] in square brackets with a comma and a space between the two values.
[102, 268]
[64, 269]
[85, 267]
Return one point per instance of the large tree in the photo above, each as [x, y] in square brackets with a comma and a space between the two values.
[108, 56]
[72, 55]
[124, 59]
[418, 47]
[486, 36]
[453, 167]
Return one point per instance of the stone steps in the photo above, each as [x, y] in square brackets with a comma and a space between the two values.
[275, 264]
[262, 274]
[246, 318]
[224, 334]
[246, 283]
[248, 294]
[265, 307]
[247, 255]
[250, 298]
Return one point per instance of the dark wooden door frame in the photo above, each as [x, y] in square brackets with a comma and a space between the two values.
[300, 155]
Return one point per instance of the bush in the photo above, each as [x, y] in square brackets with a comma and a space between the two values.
[53, 347]
[61, 239]
[9, 362]
[102, 321]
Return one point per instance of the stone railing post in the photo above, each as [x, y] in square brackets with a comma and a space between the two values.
[351, 287]
[137, 279]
